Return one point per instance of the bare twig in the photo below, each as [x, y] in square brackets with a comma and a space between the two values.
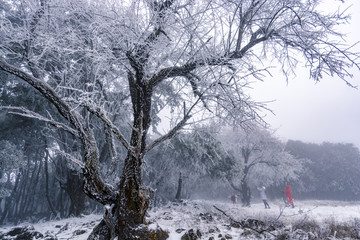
[102, 116]
[69, 157]
[244, 224]
[21, 111]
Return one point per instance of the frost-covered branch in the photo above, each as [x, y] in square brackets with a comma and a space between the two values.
[74, 160]
[47, 91]
[21, 111]
[102, 116]
[170, 134]
[186, 69]
[180, 124]
[267, 162]
[94, 185]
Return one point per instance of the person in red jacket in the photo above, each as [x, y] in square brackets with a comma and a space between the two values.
[289, 196]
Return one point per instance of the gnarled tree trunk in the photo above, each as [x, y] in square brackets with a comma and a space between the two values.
[245, 193]
[245, 190]
[125, 215]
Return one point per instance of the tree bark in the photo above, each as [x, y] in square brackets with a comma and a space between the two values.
[245, 193]
[51, 206]
[31, 206]
[74, 190]
[124, 218]
[245, 190]
[9, 199]
[178, 192]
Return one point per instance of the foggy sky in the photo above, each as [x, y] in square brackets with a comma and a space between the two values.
[315, 112]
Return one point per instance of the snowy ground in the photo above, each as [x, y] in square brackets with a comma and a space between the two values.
[194, 215]
[70, 228]
[178, 218]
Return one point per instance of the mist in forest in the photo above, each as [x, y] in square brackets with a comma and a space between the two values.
[123, 108]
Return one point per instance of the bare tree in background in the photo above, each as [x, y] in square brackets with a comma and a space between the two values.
[193, 57]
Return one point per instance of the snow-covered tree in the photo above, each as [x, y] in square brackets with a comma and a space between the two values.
[261, 160]
[11, 160]
[197, 156]
[11, 163]
[33, 138]
[194, 57]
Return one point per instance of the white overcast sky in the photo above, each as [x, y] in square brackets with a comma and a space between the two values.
[328, 111]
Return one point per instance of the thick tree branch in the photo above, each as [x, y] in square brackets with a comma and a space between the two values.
[139, 55]
[102, 116]
[175, 71]
[170, 134]
[181, 124]
[262, 162]
[185, 70]
[94, 186]
[47, 91]
[192, 79]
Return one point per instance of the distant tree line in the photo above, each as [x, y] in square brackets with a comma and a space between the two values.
[331, 172]
[214, 166]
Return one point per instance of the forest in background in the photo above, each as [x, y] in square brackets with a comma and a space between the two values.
[38, 182]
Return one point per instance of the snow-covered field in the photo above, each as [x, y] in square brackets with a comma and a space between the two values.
[206, 219]
[196, 215]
